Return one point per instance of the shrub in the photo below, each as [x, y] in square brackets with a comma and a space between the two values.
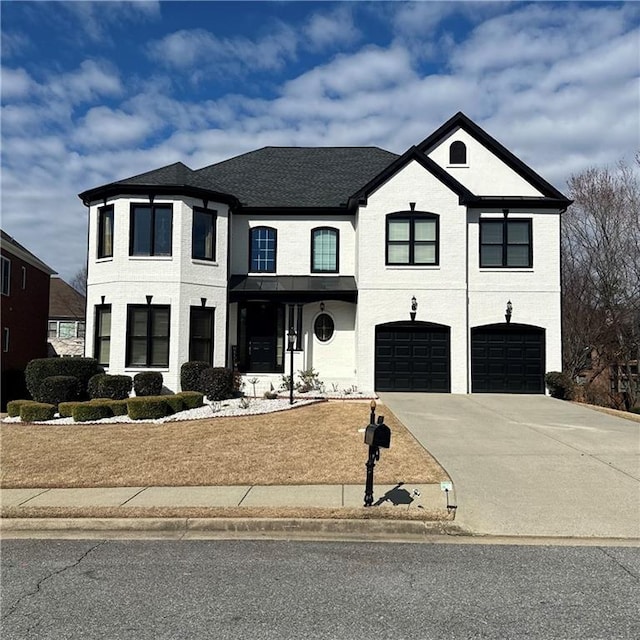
[65, 409]
[114, 387]
[37, 412]
[88, 411]
[118, 407]
[217, 383]
[57, 389]
[81, 368]
[635, 410]
[147, 408]
[148, 383]
[13, 407]
[190, 375]
[309, 381]
[174, 402]
[191, 399]
[559, 384]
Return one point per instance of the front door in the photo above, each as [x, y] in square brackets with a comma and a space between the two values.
[261, 337]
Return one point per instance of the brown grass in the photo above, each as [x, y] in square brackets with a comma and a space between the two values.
[318, 444]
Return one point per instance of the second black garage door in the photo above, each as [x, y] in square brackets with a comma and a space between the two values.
[507, 358]
[412, 356]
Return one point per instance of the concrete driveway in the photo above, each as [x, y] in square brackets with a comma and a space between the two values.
[530, 465]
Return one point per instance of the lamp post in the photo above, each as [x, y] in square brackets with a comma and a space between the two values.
[292, 340]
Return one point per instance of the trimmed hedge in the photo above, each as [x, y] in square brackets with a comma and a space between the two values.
[175, 403]
[65, 409]
[147, 408]
[148, 383]
[118, 407]
[88, 411]
[57, 389]
[191, 399]
[37, 412]
[13, 407]
[114, 387]
[81, 368]
[190, 373]
[217, 383]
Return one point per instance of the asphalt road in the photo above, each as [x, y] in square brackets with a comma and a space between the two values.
[267, 589]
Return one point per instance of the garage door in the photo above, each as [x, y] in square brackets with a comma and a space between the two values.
[507, 358]
[412, 357]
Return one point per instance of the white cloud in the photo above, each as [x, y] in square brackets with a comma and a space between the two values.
[13, 43]
[324, 30]
[104, 127]
[15, 83]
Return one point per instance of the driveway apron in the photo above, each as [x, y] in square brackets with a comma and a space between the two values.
[530, 465]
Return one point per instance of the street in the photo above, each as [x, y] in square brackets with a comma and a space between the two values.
[321, 590]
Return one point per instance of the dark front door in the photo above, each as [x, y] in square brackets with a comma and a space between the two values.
[412, 357]
[507, 358]
[261, 338]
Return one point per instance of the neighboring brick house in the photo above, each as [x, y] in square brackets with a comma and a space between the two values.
[25, 305]
[388, 272]
[67, 309]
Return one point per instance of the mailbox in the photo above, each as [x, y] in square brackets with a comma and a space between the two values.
[378, 435]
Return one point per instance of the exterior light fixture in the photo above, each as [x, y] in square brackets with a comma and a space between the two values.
[322, 306]
[149, 299]
[102, 299]
[508, 312]
[414, 308]
[292, 340]
[203, 302]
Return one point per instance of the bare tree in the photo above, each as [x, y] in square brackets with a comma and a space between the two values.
[79, 280]
[601, 274]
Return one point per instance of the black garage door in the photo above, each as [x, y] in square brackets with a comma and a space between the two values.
[507, 358]
[412, 357]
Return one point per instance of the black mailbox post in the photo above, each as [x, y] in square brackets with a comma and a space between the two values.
[376, 435]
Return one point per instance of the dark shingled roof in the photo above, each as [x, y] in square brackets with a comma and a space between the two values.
[65, 301]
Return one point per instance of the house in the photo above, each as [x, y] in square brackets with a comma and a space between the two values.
[67, 309]
[25, 302]
[437, 270]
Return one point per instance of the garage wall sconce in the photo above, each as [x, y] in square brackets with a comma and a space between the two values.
[414, 308]
[508, 312]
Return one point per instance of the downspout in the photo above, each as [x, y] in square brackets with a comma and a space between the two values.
[86, 288]
[467, 314]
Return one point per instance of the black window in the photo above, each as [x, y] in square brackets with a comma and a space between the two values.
[457, 153]
[412, 238]
[324, 250]
[203, 234]
[5, 339]
[6, 276]
[151, 230]
[102, 341]
[323, 327]
[201, 334]
[505, 243]
[148, 336]
[24, 277]
[105, 232]
[263, 250]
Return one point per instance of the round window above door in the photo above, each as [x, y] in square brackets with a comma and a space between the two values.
[323, 327]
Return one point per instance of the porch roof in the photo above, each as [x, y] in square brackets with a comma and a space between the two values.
[293, 288]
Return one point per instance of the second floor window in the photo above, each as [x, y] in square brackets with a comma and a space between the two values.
[148, 336]
[102, 338]
[412, 238]
[457, 153]
[66, 329]
[203, 234]
[151, 230]
[505, 243]
[105, 232]
[324, 250]
[6, 276]
[262, 246]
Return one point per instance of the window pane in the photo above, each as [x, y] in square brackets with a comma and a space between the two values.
[398, 254]
[325, 243]
[159, 352]
[263, 249]
[491, 232]
[424, 254]
[518, 232]
[137, 352]
[141, 231]
[162, 231]
[53, 329]
[105, 238]
[81, 329]
[203, 235]
[200, 350]
[425, 230]
[399, 229]
[104, 323]
[104, 347]
[518, 256]
[67, 329]
[139, 322]
[491, 256]
[6, 275]
[160, 322]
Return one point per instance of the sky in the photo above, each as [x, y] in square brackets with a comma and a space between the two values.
[94, 92]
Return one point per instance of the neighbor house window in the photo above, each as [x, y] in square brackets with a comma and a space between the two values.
[324, 250]
[5, 339]
[323, 327]
[148, 336]
[24, 277]
[66, 329]
[6, 276]
[263, 250]
[412, 238]
[457, 153]
[505, 243]
[102, 341]
[203, 234]
[105, 232]
[151, 230]
[201, 334]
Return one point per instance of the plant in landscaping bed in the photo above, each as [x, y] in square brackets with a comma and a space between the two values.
[217, 383]
[148, 383]
[560, 385]
[147, 408]
[57, 389]
[253, 382]
[309, 381]
[89, 411]
[37, 412]
[245, 403]
[190, 375]
[13, 407]
[174, 402]
[271, 394]
[114, 387]
[65, 409]
[118, 407]
[286, 383]
[81, 368]
[191, 399]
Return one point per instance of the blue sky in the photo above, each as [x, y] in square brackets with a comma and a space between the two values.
[96, 92]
